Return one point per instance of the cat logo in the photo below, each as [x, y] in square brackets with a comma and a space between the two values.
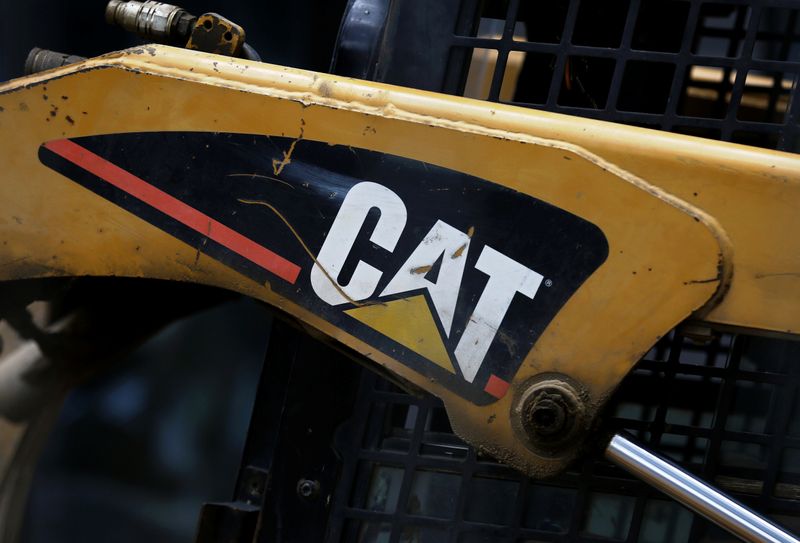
[454, 276]
[443, 249]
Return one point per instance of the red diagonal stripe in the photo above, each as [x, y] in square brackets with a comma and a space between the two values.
[181, 212]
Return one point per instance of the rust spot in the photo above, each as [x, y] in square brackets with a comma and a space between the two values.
[23, 106]
[491, 418]
[44, 97]
[65, 97]
[69, 119]
[421, 269]
[2, 109]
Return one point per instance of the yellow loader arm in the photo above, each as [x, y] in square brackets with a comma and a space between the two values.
[514, 263]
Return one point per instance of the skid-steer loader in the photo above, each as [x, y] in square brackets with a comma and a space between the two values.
[502, 208]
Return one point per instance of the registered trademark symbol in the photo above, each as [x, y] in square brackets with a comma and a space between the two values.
[548, 282]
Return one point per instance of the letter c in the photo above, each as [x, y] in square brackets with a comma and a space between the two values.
[339, 242]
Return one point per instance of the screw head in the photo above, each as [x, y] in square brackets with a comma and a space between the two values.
[307, 489]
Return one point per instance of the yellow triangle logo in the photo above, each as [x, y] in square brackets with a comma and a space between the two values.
[409, 322]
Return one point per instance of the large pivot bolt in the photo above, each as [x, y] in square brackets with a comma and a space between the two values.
[549, 414]
[552, 414]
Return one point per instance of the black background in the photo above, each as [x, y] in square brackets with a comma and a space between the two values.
[298, 33]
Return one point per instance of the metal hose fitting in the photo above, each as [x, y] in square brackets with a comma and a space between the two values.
[155, 21]
[40, 60]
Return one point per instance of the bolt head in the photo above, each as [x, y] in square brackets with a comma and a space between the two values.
[550, 414]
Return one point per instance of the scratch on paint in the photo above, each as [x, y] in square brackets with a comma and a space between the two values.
[470, 232]
[700, 281]
[303, 244]
[781, 274]
[261, 176]
[358, 158]
[508, 341]
[279, 165]
[15, 261]
[422, 269]
[458, 252]
[202, 244]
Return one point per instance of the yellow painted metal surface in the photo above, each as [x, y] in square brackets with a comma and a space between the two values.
[694, 227]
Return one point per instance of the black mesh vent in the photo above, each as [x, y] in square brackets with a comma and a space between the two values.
[723, 70]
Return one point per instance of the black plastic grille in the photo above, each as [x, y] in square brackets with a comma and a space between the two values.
[726, 408]
[722, 70]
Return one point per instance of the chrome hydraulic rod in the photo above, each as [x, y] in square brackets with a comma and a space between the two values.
[694, 493]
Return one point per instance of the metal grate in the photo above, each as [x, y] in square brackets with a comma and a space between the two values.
[727, 409]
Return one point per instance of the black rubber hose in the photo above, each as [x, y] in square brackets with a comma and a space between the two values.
[249, 53]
